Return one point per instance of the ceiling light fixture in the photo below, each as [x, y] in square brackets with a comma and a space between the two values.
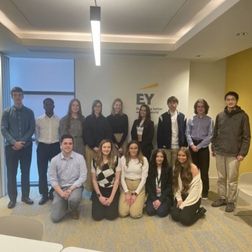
[95, 19]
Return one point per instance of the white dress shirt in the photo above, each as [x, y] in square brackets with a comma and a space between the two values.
[174, 129]
[47, 129]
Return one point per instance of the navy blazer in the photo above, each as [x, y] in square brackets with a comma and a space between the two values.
[164, 131]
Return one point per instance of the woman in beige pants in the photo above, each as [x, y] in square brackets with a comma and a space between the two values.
[133, 177]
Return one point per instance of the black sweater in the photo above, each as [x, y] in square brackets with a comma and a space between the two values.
[95, 130]
[118, 124]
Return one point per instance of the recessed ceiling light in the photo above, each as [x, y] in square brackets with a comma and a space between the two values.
[241, 34]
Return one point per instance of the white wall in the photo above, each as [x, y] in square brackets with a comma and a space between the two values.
[125, 76]
[207, 80]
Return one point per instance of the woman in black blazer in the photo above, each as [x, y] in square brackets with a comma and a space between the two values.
[143, 131]
[159, 185]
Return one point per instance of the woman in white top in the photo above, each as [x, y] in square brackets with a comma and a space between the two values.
[133, 177]
[105, 172]
[187, 187]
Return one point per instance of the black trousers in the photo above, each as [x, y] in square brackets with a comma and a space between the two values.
[162, 211]
[100, 211]
[13, 157]
[45, 152]
[186, 216]
[201, 159]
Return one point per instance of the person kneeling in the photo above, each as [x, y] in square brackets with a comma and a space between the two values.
[106, 172]
[134, 173]
[67, 173]
[159, 185]
[187, 186]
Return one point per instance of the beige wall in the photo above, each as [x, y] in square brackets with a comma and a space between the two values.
[207, 80]
[125, 76]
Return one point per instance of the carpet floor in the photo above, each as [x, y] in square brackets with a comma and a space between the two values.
[218, 231]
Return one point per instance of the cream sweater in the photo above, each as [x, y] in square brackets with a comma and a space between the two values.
[194, 191]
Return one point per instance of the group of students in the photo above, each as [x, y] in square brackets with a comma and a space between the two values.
[170, 172]
[145, 183]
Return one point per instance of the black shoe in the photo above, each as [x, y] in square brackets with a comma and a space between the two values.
[201, 212]
[50, 194]
[43, 200]
[11, 204]
[27, 201]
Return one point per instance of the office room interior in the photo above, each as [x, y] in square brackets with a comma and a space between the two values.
[150, 50]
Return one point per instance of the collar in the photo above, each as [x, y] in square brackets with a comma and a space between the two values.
[63, 157]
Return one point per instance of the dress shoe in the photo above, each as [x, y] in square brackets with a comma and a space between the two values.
[50, 194]
[43, 200]
[11, 204]
[27, 201]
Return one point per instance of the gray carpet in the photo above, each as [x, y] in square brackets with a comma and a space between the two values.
[218, 231]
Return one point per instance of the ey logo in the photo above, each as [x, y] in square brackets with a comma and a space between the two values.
[143, 98]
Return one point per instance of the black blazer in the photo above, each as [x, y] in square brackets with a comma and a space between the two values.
[164, 130]
[166, 185]
[148, 133]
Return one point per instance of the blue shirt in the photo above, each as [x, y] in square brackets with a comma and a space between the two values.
[200, 129]
[18, 124]
[65, 172]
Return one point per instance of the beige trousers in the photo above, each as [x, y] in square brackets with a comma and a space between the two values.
[90, 155]
[136, 209]
[228, 173]
[171, 156]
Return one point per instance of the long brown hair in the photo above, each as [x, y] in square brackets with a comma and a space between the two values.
[153, 164]
[69, 113]
[148, 113]
[112, 157]
[113, 104]
[184, 170]
[139, 153]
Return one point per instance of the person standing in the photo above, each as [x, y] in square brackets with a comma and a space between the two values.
[96, 129]
[17, 127]
[73, 124]
[230, 145]
[118, 122]
[47, 137]
[199, 133]
[143, 131]
[171, 130]
[67, 173]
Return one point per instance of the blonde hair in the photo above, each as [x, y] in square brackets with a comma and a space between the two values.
[112, 157]
[139, 153]
[113, 104]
